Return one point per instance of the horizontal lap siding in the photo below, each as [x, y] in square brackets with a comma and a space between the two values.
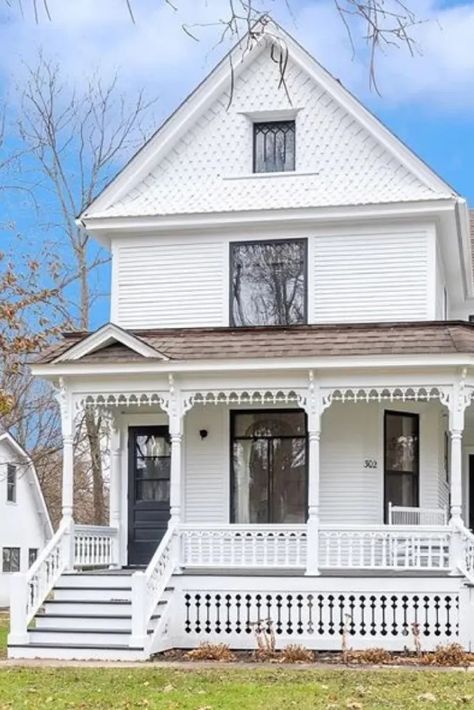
[350, 493]
[380, 277]
[206, 495]
[170, 285]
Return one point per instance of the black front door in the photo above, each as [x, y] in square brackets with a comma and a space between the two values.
[148, 491]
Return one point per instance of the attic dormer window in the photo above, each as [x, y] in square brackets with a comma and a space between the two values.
[273, 146]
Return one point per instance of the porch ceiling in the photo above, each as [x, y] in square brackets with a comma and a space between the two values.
[182, 344]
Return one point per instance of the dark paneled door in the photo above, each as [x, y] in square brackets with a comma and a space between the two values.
[148, 491]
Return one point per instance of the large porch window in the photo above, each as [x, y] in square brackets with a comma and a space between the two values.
[401, 455]
[269, 472]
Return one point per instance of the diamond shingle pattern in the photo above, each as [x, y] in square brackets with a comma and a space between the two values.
[338, 162]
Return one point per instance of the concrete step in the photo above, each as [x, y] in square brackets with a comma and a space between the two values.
[91, 593]
[78, 652]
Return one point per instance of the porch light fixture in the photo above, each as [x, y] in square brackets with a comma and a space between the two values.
[203, 433]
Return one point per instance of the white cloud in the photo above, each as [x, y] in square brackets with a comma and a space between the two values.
[157, 54]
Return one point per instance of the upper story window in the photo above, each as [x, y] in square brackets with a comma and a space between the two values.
[273, 146]
[11, 483]
[268, 284]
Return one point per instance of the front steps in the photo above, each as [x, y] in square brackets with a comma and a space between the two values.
[88, 616]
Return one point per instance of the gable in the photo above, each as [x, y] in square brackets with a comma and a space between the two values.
[340, 158]
[108, 337]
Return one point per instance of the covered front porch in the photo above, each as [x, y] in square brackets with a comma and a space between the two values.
[278, 472]
[283, 476]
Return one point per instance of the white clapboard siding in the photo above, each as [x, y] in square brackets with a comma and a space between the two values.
[207, 468]
[169, 285]
[377, 277]
[350, 493]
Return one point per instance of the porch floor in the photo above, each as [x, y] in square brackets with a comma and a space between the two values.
[284, 572]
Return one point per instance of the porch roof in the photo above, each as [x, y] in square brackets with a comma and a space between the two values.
[181, 344]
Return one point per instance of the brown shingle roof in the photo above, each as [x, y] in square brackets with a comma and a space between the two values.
[441, 337]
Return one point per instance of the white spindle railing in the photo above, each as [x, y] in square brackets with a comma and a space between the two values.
[95, 546]
[244, 546]
[463, 558]
[389, 547]
[148, 586]
[29, 590]
[404, 515]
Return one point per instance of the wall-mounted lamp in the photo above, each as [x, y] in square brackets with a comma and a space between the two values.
[203, 433]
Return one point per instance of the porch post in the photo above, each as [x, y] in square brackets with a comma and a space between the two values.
[115, 486]
[175, 414]
[314, 435]
[456, 427]
[67, 426]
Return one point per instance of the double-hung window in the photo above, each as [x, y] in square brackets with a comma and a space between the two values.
[268, 282]
[11, 483]
[11, 559]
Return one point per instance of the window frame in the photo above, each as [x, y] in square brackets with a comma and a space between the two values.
[233, 413]
[416, 417]
[11, 467]
[254, 146]
[250, 242]
[11, 571]
[36, 551]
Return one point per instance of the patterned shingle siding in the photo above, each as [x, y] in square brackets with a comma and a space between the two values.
[337, 161]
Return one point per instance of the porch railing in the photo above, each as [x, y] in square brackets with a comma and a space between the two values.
[389, 547]
[405, 515]
[95, 546]
[244, 546]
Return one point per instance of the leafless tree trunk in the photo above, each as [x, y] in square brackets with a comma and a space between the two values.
[74, 141]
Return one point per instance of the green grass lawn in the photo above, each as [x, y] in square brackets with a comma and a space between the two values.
[228, 689]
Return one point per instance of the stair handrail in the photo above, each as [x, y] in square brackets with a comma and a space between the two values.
[29, 589]
[148, 586]
[465, 562]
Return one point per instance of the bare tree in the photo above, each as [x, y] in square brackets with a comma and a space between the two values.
[382, 23]
[73, 142]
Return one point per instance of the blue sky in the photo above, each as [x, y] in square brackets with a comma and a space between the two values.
[427, 100]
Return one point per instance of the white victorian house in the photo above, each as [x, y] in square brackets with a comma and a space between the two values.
[287, 373]
[25, 525]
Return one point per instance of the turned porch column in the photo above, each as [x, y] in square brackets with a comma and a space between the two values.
[67, 427]
[176, 417]
[460, 400]
[115, 486]
[313, 411]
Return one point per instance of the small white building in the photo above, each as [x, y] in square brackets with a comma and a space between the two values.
[288, 377]
[25, 525]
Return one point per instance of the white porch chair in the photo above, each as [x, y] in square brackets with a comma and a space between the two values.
[405, 515]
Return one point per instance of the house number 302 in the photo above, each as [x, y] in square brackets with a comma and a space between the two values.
[370, 463]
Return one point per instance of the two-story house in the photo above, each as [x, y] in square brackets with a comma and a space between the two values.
[287, 375]
[25, 525]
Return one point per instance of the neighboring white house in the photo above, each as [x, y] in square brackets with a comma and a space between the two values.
[287, 377]
[25, 526]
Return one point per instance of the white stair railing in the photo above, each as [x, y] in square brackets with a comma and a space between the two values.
[148, 586]
[29, 589]
[463, 552]
[95, 546]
